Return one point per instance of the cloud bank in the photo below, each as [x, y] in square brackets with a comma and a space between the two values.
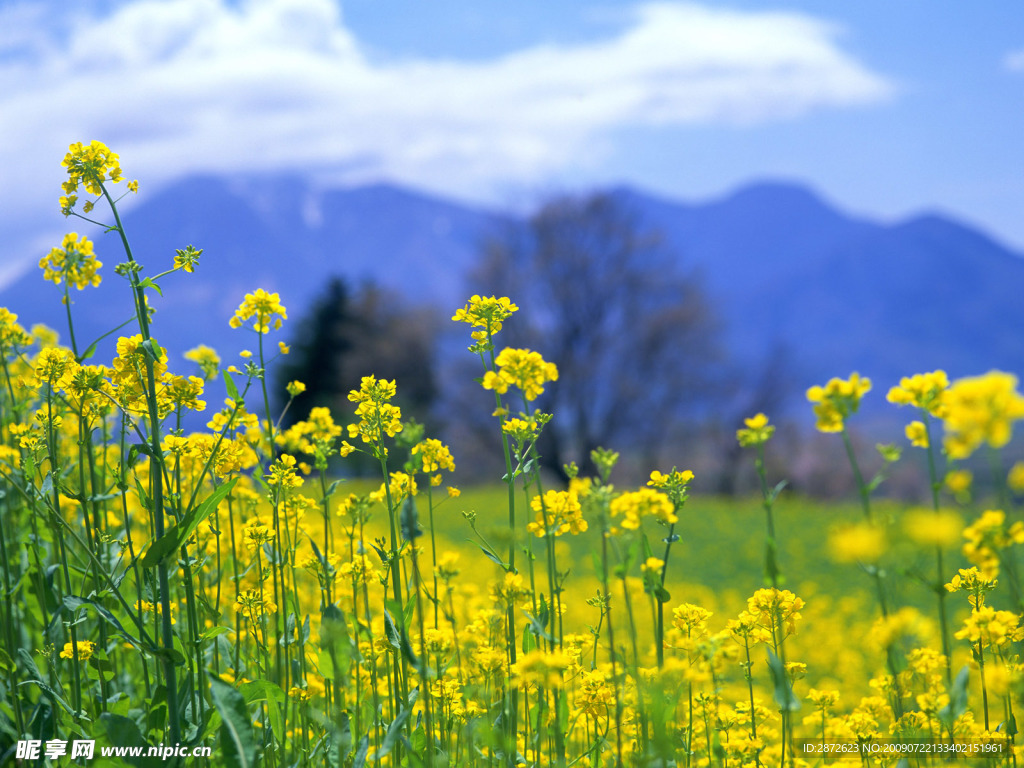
[178, 86]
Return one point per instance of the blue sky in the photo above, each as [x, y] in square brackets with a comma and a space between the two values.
[887, 109]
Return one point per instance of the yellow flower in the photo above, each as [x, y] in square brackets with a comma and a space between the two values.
[434, 455]
[691, 619]
[925, 390]
[89, 166]
[958, 481]
[757, 432]
[594, 695]
[187, 258]
[633, 506]
[12, 334]
[522, 368]
[377, 417]
[981, 409]
[207, 359]
[917, 434]
[184, 392]
[485, 313]
[558, 512]
[265, 307]
[822, 699]
[253, 605]
[541, 668]
[987, 537]
[674, 484]
[284, 348]
[776, 609]
[973, 581]
[283, 473]
[73, 261]
[990, 627]
[652, 565]
[1015, 478]
[837, 400]
[856, 543]
[86, 649]
[930, 528]
[447, 566]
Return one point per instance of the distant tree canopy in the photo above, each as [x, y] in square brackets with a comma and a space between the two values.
[346, 336]
[601, 296]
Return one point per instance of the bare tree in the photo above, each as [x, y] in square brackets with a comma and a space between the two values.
[604, 299]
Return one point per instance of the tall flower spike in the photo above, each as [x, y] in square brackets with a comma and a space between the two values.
[89, 166]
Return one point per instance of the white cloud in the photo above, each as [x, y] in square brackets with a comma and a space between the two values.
[1014, 61]
[186, 85]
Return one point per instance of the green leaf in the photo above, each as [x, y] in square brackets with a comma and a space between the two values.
[52, 694]
[148, 283]
[393, 732]
[89, 352]
[410, 520]
[213, 632]
[264, 690]
[957, 699]
[73, 603]
[229, 384]
[237, 745]
[774, 493]
[537, 627]
[163, 549]
[529, 643]
[124, 732]
[391, 631]
[152, 350]
[490, 555]
[361, 752]
[783, 693]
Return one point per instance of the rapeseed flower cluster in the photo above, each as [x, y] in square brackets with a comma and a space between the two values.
[521, 368]
[631, 508]
[264, 308]
[980, 410]
[835, 402]
[74, 262]
[557, 512]
[486, 315]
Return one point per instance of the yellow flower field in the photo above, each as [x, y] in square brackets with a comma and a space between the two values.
[220, 591]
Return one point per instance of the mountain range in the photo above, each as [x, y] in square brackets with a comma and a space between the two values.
[785, 272]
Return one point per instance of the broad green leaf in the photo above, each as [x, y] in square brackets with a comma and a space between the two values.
[394, 730]
[237, 744]
[229, 384]
[264, 690]
[783, 693]
[124, 732]
[163, 549]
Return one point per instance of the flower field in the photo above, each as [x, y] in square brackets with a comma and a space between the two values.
[221, 591]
